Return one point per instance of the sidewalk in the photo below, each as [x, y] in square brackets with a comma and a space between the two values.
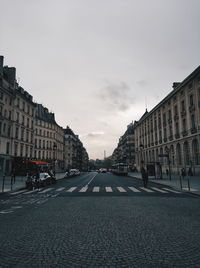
[19, 182]
[175, 182]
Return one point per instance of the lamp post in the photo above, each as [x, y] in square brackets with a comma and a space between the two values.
[141, 155]
[54, 149]
[167, 150]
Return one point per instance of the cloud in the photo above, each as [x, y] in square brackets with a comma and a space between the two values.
[93, 134]
[116, 96]
[142, 83]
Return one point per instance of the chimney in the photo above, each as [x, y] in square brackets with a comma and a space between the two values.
[1, 65]
[175, 84]
[11, 74]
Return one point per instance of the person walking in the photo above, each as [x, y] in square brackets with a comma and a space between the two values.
[145, 176]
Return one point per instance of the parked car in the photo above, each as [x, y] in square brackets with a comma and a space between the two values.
[72, 173]
[103, 170]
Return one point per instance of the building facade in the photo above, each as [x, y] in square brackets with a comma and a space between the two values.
[169, 135]
[49, 138]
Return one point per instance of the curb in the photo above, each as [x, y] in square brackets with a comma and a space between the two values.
[186, 192]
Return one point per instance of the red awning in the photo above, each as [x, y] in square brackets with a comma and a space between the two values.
[40, 162]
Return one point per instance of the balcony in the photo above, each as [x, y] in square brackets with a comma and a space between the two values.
[191, 108]
[165, 139]
[184, 133]
[169, 121]
[160, 141]
[177, 135]
[171, 137]
[193, 130]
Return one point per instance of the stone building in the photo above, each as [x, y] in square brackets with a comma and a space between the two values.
[49, 138]
[125, 151]
[17, 113]
[75, 154]
[169, 135]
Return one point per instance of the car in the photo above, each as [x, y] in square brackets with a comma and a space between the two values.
[72, 173]
[43, 180]
[103, 170]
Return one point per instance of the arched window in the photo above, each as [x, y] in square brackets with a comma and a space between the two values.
[195, 152]
[186, 153]
[178, 154]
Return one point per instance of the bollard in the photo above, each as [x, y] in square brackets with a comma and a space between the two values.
[3, 183]
[11, 182]
[181, 182]
[188, 183]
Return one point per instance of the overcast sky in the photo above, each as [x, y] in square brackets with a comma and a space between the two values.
[93, 62]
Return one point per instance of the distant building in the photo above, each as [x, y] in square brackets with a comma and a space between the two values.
[125, 151]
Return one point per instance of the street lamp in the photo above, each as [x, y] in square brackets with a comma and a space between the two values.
[54, 149]
[141, 153]
[167, 150]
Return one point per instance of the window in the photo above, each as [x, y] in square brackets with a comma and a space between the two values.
[22, 134]
[9, 131]
[9, 116]
[1, 95]
[23, 119]
[4, 127]
[17, 117]
[28, 122]
[27, 136]
[1, 110]
[15, 148]
[26, 153]
[183, 106]
[0, 127]
[16, 132]
[7, 147]
[193, 125]
[21, 149]
[191, 100]
[23, 106]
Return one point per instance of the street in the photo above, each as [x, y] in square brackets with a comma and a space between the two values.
[99, 220]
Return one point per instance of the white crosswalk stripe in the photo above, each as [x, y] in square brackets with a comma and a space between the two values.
[95, 189]
[71, 189]
[121, 190]
[147, 190]
[33, 191]
[134, 189]
[60, 189]
[159, 190]
[170, 190]
[18, 192]
[108, 189]
[46, 190]
[84, 189]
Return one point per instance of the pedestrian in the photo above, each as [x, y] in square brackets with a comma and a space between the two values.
[167, 172]
[145, 176]
[183, 172]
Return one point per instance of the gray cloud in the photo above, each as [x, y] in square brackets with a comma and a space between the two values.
[116, 96]
[93, 134]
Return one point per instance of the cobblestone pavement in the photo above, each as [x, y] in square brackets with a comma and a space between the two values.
[57, 228]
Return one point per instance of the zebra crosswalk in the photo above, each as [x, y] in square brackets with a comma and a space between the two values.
[97, 189]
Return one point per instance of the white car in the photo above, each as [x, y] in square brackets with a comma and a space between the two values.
[73, 172]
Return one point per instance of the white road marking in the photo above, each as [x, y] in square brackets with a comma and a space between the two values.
[16, 207]
[159, 190]
[60, 189]
[170, 190]
[6, 211]
[71, 189]
[121, 189]
[109, 189]
[146, 190]
[96, 189]
[134, 189]
[91, 180]
[46, 190]
[84, 189]
[33, 191]
[18, 192]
